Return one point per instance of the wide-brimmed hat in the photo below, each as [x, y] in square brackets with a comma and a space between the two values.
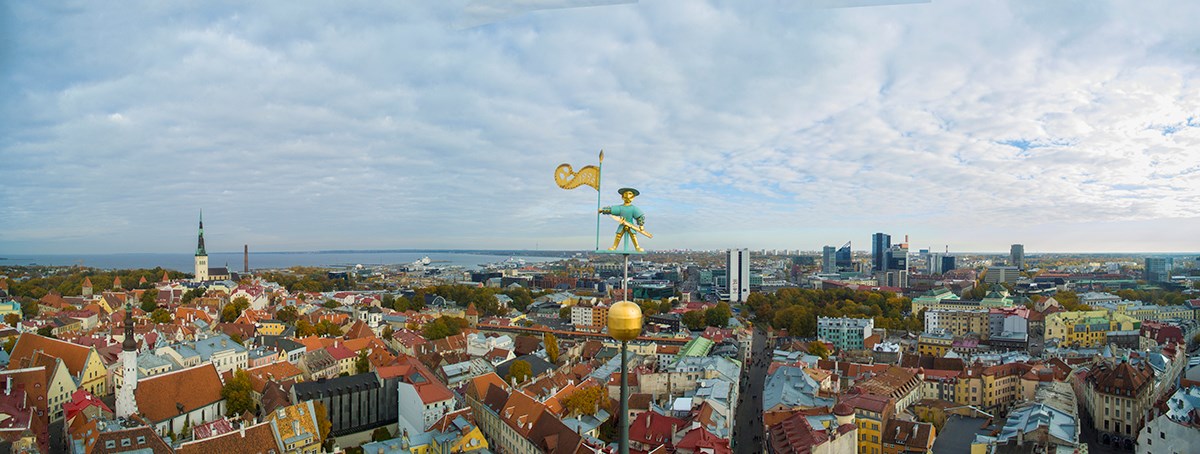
[623, 190]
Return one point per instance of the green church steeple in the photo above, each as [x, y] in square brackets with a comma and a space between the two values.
[200, 244]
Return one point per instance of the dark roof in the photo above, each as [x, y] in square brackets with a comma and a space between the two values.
[278, 343]
[959, 432]
[310, 390]
[538, 365]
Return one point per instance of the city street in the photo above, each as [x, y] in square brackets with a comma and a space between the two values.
[748, 425]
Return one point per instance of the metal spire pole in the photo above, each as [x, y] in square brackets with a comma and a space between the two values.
[599, 174]
[623, 442]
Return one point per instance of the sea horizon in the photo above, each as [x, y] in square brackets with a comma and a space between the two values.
[473, 258]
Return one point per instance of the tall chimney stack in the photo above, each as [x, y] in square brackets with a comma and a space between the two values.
[246, 258]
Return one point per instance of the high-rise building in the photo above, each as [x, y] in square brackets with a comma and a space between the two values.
[829, 260]
[1017, 251]
[880, 243]
[939, 263]
[1158, 269]
[201, 254]
[845, 257]
[737, 264]
[895, 258]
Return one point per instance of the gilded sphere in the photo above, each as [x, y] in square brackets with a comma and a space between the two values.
[624, 321]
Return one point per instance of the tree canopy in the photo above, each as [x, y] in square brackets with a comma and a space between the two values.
[238, 393]
[796, 310]
[586, 401]
[444, 326]
[519, 371]
[551, 347]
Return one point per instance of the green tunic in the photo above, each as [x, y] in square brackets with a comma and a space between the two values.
[630, 213]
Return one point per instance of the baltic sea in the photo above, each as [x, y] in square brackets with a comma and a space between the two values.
[266, 260]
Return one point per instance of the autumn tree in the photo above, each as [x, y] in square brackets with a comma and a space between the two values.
[287, 314]
[443, 327]
[238, 393]
[388, 332]
[586, 401]
[381, 434]
[519, 371]
[160, 315]
[12, 319]
[304, 328]
[324, 423]
[818, 348]
[551, 347]
[564, 312]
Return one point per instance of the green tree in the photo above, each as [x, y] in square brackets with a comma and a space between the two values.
[551, 347]
[564, 313]
[718, 315]
[664, 307]
[586, 401]
[328, 328]
[10, 343]
[238, 392]
[46, 331]
[12, 319]
[694, 320]
[288, 314]
[519, 371]
[160, 315]
[388, 332]
[444, 326]
[234, 309]
[818, 348]
[388, 300]
[381, 434]
[29, 309]
[149, 300]
[331, 304]
[361, 364]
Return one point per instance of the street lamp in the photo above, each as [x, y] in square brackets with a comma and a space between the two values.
[624, 324]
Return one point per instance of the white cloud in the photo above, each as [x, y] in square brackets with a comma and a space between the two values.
[374, 126]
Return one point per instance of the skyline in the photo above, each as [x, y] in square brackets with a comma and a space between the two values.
[1068, 127]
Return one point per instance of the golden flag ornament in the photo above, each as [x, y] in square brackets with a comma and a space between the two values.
[567, 178]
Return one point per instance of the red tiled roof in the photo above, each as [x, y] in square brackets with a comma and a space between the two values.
[159, 397]
[654, 429]
[698, 439]
[259, 439]
[74, 356]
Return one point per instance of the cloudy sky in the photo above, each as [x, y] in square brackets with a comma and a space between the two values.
[1066, 126]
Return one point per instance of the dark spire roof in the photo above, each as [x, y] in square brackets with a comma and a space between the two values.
[128, 344]
[200, 244]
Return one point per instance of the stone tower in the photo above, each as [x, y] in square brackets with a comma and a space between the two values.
[126, 402]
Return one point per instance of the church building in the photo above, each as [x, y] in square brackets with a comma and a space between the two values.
[203, 271]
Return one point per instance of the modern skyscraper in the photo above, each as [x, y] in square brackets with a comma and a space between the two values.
[1158, 269]
[737, 265]
[1017, 251]
[829, 260]
[845, 258]
[201, 254]
[880, 243]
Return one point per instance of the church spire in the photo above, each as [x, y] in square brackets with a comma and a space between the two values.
[200, 243]
[128, 344]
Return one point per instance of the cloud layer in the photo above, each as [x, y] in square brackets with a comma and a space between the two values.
[1070, 126]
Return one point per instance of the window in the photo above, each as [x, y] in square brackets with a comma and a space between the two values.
[125, 442]
[110, 444]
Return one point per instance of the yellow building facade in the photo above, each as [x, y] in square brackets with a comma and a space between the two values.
[1087, 328]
